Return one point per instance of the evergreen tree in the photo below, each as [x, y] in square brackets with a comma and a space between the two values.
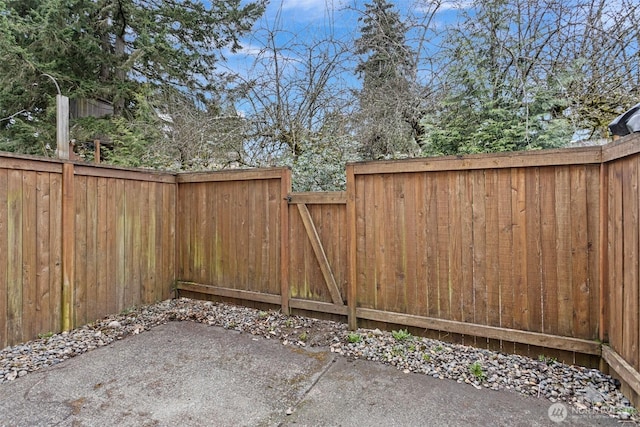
[116, 50]
[387, 69]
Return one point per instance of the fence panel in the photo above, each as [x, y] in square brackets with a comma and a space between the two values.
[511, 246]
[623, 239]
[30, 235]
[124, 240]
[229, 232]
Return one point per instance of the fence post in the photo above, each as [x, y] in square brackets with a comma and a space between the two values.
[351, 248]
[68, 246]
[285, 189]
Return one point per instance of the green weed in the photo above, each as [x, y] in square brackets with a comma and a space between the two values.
[476, 370]
[401, 335]
[354, 338]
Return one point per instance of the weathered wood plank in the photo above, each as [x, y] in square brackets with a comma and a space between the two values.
[580, 252]
[352, 248]
[519, 257]
[492, 245]
[443, 253]
[283, 210]
[534, 284]
[319, 306]
[232, 175]
[630, 263]
[55, 239]
[480, 271]
[325, 197]
[169, 244]
[68, 246]
[626, 371]
[548, 247]
[456, 327]
[114, 172]
[516, 159]
[102, 248]
[29, 256]
[93, 257]
[80, 296]
[120, 248]
[505, 248]
[603, 255]
[615, 242]
[627, 146]
[4, 256]
[15, 162]
[14, 249]
[228, 292]
[564, 255]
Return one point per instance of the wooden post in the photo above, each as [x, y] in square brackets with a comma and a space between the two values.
[62, 126]
[351, 248]
[285, 189]
[68, 246]
[96, 152]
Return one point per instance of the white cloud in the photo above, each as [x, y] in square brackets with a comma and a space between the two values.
[306, 4]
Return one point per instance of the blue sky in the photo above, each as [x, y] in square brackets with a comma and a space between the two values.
[304, 21]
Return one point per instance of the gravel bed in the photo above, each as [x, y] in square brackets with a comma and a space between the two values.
[588, 391]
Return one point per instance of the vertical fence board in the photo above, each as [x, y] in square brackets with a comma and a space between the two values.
[430, 238]
[81, 219]
[169, 245]
[4, 256]
[630, 263]
[93, 257]
[519, 260]
[14, 245]
[533, 250]
[102, 239]
[444, 222]
[479, 270]
[43, 251]
[55, 237]
[492, 245]
[579, 250]
[360, 243]
[564, 258]
[29, 255]
[593, 224]
[548, 248]
[467, 248]
[454, 285]
[420, 269]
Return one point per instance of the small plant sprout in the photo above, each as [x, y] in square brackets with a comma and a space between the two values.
[401, 335]
[547, 360]
[303, 336]
[476, 370]
[439, 348]
[45, 335]
[354, 337]
[426, 357]
[262, 314]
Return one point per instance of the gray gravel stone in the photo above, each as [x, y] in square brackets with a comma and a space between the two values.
[585, 389]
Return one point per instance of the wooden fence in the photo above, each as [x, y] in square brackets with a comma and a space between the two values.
[80, 242]
[530, 252]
